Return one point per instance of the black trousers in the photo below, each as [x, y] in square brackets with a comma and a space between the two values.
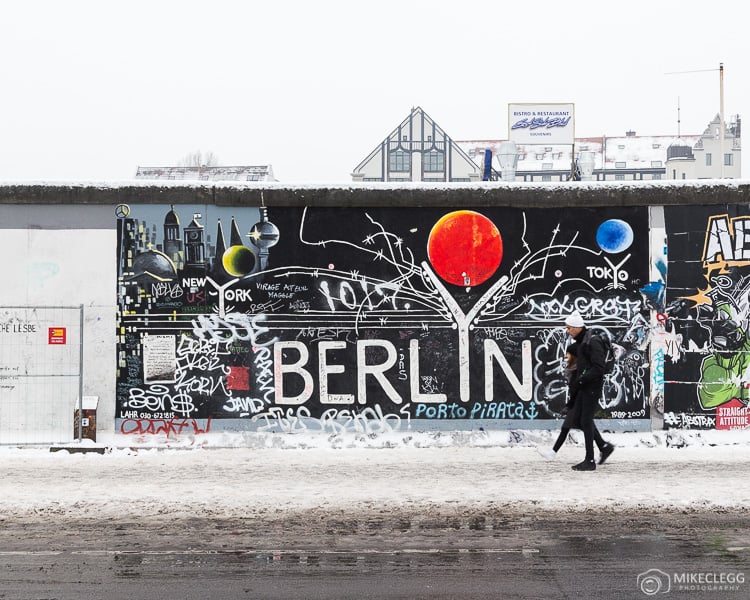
[588, 396]
[564, 431]
[573, 421]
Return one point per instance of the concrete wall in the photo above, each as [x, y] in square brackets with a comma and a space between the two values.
[58, 255]
[372, 308]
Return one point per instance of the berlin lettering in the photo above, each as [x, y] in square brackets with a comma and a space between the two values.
[291, 360]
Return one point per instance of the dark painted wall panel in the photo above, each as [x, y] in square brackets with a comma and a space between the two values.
[707, 315]
[246, 317]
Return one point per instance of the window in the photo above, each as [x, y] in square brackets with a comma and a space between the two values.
[619, 177]
[546, 177]
[708, 159]
[656, 163]
[372, 179]
[620, 165]
[253, 177]
[540, 156]
[656, 146]
[621, 147]
[472, 153]
[728, 160]
[656, 176]
[434, 161]
[399, 161]
[548, 149]
[203, 177]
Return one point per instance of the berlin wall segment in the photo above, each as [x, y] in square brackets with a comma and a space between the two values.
[346, 309]
[372, 318]
[703, 349]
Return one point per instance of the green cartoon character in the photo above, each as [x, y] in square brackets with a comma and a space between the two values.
[725, 374]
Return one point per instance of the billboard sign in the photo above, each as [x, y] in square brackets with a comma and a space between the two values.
[541, 123]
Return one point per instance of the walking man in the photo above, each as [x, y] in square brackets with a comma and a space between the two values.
[590, 380]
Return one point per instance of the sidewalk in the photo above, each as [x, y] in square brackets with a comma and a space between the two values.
[287, 474]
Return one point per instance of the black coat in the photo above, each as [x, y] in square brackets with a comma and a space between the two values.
[592, 357]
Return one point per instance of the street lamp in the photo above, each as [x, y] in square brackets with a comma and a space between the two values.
[507, 156]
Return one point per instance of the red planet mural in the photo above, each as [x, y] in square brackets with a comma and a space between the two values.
[465, 248]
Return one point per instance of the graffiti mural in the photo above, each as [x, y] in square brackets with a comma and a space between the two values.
[708, 314]
[369, 319]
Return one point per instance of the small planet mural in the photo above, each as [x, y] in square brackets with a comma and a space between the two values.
[238, 261]
[465, 248]
[614, 235]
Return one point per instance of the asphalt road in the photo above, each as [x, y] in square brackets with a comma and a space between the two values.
[456, 552]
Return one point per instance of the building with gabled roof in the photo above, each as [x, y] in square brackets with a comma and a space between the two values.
[701, 160]
[417, 150]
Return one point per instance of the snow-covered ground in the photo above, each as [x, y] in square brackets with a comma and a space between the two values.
[277, 475]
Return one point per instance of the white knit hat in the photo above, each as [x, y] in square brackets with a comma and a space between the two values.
[575, 320]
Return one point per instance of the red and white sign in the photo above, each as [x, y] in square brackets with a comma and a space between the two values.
[541, 123]
[56, 335]
[732, 415]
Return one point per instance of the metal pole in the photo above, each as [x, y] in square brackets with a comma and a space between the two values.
[573, 161]
[721, 116]
[80, 377]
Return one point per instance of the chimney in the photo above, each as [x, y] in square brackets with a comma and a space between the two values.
[630, 133]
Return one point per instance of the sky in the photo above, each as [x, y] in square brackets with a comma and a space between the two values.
[279, 474]
[91, 90]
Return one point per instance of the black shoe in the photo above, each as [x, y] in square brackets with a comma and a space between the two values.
[605, 452]
[586, 465]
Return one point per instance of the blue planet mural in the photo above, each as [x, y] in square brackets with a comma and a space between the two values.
[614, 235]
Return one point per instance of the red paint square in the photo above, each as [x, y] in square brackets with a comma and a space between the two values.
[238, 378]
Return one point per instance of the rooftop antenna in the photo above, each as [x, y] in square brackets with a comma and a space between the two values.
[678, 119]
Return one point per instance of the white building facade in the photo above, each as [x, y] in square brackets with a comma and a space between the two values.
[206, 173]
[703, 160]
[419, 150]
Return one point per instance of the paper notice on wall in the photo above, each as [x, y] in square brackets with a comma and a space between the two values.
[159, 358]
